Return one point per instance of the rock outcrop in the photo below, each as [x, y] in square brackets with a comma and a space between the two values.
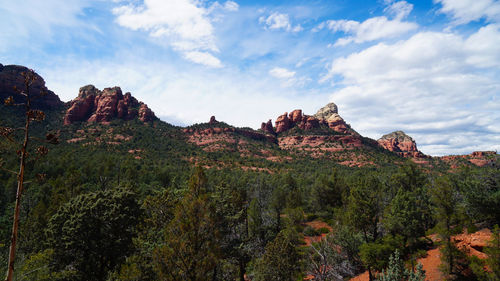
[329, 115]
[93, 105]
[478, 158]
[400, 143]
[268, 127]
[10, 77]
[287, 121]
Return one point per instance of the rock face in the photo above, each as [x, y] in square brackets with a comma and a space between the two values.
[268, 127]
[329, 115]
[400, 143]
[93, 105]
[478, 158]
[10, 77]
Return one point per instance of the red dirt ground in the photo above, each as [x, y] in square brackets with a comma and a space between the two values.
[472, 243]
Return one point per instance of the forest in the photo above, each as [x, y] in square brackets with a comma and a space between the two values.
[101, 212]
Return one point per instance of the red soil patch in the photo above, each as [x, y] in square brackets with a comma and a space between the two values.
[316, 225]
[431, 265]
[471, 243]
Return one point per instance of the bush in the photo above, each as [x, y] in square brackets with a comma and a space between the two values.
[310, 231]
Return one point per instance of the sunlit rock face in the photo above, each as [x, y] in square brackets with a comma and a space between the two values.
[93, 105]
[400, 143]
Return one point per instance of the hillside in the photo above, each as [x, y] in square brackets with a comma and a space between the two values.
[127, 196]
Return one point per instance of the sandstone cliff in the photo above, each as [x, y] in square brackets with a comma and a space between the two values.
[10, 77]
[400, 143]
[93, 105]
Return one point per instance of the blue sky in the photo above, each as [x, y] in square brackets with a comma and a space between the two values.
[429, 68]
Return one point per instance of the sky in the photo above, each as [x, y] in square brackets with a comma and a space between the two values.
[430, 68]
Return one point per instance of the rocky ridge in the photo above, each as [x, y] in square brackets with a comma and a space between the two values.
[327, 115]
[400, 143]
[10, 77]
[478, 158]
[93, 105]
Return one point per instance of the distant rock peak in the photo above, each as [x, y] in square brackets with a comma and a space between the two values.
[10, 77]
[327, 111]
[400, 143]
[93, 105]
[327, 115]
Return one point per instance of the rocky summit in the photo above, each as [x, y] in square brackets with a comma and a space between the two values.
[93, 105]
[10, 77]
[400, 143]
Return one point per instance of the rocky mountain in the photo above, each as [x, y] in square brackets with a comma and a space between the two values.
[400, 143]
[93, 105]
[327, 115]
[10, 77]
[324, 135]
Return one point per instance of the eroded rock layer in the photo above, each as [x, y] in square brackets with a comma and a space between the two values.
[400, 143]
[93, 105]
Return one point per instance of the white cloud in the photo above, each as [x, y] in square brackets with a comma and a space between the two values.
[465, 11]
[279, 21]
[231, 6]
[281, 73]
[398, 9]
[433, 86]
[203, 58]
[373, 28]
[369, 30]
[185, 24]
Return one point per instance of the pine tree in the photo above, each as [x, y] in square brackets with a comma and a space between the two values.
[191, 250]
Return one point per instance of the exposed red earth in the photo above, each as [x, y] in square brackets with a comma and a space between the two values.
[471, 243]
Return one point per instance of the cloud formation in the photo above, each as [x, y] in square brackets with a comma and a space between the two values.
[465, 11]
[374, 28]
[278, 21]
[185, 24]
[434, 85]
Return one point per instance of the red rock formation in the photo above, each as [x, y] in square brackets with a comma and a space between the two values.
[400, 143]
[329, 115]
[283, 123]
[478, 158]
[268, 127]
[93, 105]
[212, 120]
[145, 113]
[295, 116]
[10, 77]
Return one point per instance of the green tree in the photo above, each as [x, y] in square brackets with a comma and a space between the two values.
[191, 249]
[446, 201]
[92, 233]
[364, 206]
[281, 258]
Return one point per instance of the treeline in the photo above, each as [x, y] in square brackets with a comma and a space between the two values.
[108, 219]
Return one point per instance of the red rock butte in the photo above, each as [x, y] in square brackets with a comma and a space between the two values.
[93, 105]
[400, 143]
